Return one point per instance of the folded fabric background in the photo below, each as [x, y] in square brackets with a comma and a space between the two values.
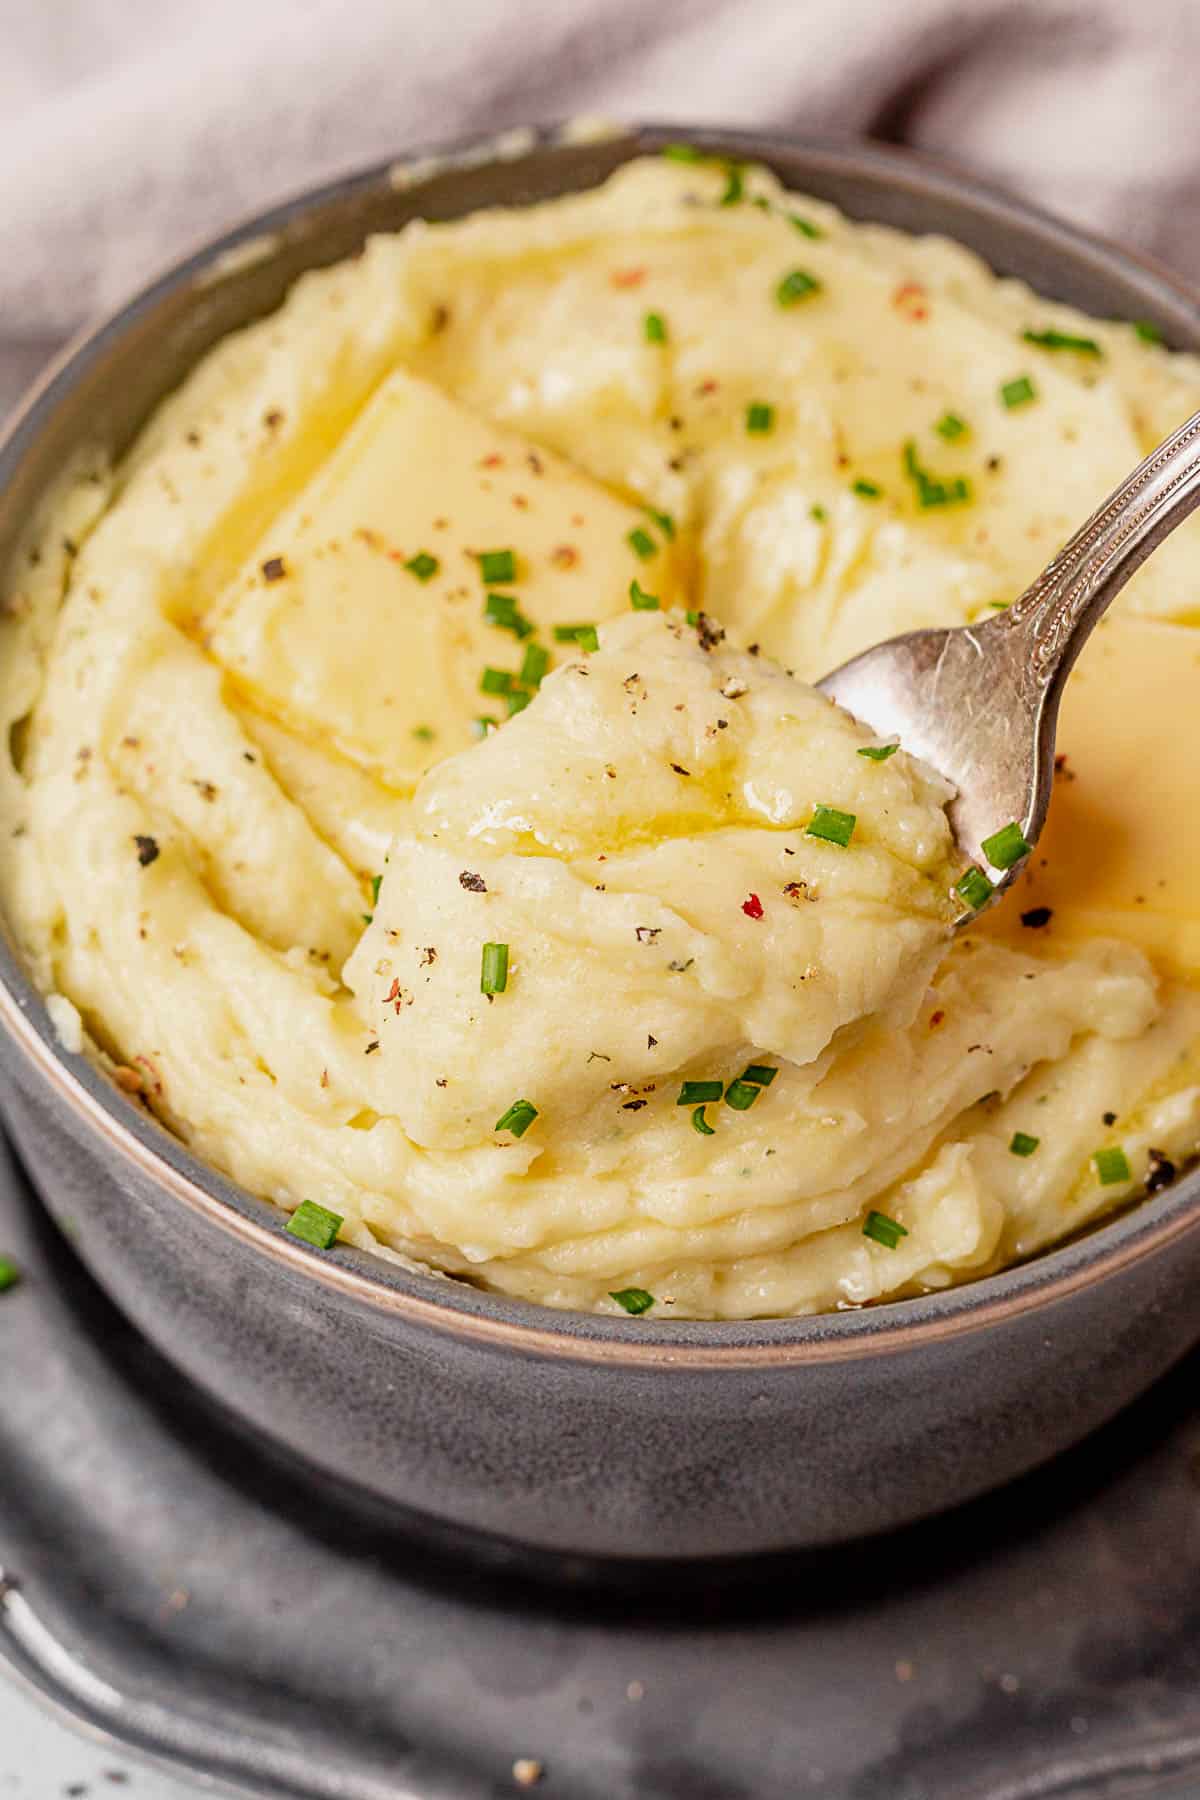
[131, 128]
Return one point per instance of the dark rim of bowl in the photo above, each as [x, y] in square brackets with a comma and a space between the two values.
[452, 1305]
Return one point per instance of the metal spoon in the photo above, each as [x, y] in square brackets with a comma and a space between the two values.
[979, 703]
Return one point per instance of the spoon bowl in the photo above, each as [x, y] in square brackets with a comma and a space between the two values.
[979, 703]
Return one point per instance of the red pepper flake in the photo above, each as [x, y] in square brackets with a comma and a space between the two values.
[935, 1019]
[627, 278]
[646, 934]
[274, 569]
[910, 299]
[474, 884]
[427, 956]
[753, 907]
[325, 1078]
[395, 995]
[494, 461]
[273, 418]
[565, 556]
[152, 1076]
[1061, 768]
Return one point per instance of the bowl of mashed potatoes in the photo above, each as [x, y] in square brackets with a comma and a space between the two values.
[477, 1006]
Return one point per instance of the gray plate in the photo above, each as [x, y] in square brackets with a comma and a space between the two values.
[178, 1590]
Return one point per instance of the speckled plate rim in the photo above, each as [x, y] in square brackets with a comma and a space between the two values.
[439, 1302]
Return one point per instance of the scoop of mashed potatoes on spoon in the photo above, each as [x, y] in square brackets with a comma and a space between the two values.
[677, 865]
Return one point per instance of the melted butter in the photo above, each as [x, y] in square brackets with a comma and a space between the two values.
[1120, 856]
[327, 630]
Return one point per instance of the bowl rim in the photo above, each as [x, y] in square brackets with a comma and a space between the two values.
[448, 1304]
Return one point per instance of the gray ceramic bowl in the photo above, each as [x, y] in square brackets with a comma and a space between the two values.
[564, 1431]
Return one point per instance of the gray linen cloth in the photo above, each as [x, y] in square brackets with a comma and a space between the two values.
[129, 129]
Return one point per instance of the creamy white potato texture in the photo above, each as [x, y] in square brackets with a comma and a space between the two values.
[415, 796]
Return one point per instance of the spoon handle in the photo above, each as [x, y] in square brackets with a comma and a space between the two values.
[1053, 618]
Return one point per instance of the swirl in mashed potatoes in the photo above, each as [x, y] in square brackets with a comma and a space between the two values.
[415, 793]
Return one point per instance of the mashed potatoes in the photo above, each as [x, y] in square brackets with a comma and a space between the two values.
[414, 787]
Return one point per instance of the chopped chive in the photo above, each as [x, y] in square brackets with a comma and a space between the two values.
[424, 733]
[974, 887]
[1062, 340]
[1018, 392]
[883, 1230]
[518, 1118]
[502, 610]
[495, 681]
[483, 724]
[930, 491]
[655, 328]
[641, 543]
[1112, 1166]
[735, 184]
[1022, 1144]
[9, 1274]
[869, 490]
[314, 1224]
[1148, 331]
[759, 416]
[699, 1093]
[683, 153]
[804, 226]
[761, 202]
[950, 427]
[533, 668]
[1006, 847]
[634, 1300]
[583, 635]
[741, 1095]
[640, 600]
[878, 752]
[376, 884]
[665, 523]
[701, 1124]
[516, 702]
[817, 511]
[999, 605]
[423, 566]
[761, 1074]
[693, 618]
[493, 969]
[832, 826]
[498, 566]
[796, 285]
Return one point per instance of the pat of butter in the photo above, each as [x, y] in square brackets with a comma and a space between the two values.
[1120, 856]
[328, 630]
